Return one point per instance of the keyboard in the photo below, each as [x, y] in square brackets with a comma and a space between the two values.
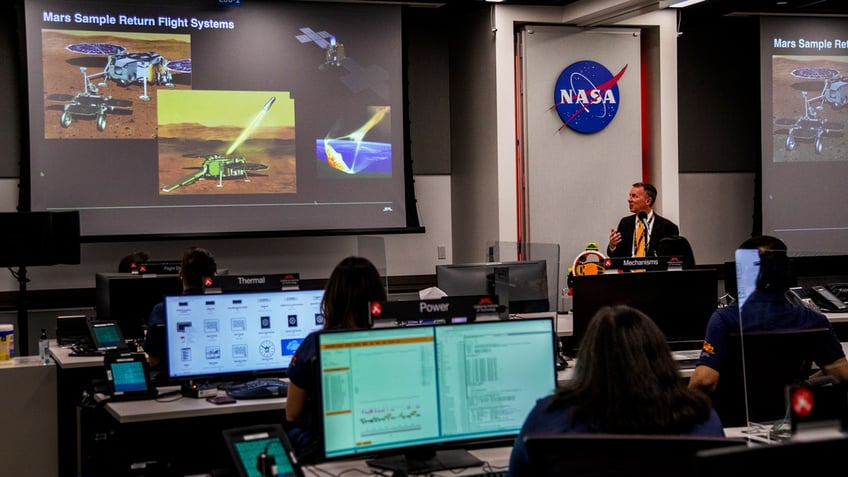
[493, 473]
[258, 389]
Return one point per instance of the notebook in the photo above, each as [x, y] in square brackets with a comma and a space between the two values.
[106, 336]
[262, 447]
[128, 377]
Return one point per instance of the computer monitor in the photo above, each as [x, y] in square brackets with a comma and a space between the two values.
[522, 286]
[412, 396]
[237, 336]
[680, 302]
[128, 298]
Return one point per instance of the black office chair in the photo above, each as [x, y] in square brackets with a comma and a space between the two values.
[772, 360]
[677, 246]
[618, 455]
[779, 459]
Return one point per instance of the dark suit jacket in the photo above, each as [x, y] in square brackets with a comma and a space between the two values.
[627, 227]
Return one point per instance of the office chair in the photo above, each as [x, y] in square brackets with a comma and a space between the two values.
[677, 245]
[772, 360]
[779, 459]
[618, 455]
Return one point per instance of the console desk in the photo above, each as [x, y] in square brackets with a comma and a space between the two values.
[177, 433]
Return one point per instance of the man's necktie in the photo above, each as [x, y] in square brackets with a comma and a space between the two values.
[639, 250]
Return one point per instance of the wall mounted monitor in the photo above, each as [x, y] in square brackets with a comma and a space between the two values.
[680, 302]
[238, 335]
[128, 298]
[522, 285]
[166, 119]
[447, 385]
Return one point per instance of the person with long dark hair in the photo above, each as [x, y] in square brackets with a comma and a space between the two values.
[625, 382]
[353, 284]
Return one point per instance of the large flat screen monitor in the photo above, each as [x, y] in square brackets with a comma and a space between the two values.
[680, 302]
[404, 395]
[128, 298]
[237, 335]
[522, 286]
[177, 119]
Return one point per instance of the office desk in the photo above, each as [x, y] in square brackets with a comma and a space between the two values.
[73, 374]
[28, 418]
[177, 407]
[178, 433]
[494, 458]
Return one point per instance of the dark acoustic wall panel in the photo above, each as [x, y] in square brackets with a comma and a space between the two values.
[719, 124]
[10, 101]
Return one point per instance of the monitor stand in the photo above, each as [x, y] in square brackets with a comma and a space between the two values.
[426, 462]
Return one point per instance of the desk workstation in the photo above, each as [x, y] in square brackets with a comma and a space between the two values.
[136, 421]
[138, 424]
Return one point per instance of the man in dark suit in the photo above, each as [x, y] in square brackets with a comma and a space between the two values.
[622, 241]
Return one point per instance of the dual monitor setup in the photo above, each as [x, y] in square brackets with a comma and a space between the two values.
[428, 378]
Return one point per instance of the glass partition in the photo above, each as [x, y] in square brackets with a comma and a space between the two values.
[775, 353]
[374, 249]
[500, 251]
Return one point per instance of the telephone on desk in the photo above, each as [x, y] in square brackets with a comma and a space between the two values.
[826, 298]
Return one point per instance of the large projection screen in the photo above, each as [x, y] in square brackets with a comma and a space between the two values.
[177, 119]
[804, 77]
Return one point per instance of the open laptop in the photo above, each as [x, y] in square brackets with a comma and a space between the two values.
[128, 377]
[262, 450]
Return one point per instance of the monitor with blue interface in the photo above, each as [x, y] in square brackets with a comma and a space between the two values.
[238, 335]
[521, 286]
[447, 385]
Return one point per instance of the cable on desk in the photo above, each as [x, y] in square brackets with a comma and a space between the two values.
[485, 469]
[173, 395]
[315, 470]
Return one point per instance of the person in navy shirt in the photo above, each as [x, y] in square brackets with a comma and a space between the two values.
[766, 309]
[197, 265]
[625, 382]
[353, 284]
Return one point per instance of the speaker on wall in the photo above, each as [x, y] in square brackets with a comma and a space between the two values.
[39, 238]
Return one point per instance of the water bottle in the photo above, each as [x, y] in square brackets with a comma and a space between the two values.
[44, 347]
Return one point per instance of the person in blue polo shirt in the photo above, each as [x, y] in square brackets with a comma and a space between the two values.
[766, 309]
[197, 265]
[353, 284]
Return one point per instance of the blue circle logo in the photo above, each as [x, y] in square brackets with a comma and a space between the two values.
[587, 97]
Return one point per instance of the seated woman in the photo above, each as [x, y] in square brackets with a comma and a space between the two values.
[353, 284]
[625, 382]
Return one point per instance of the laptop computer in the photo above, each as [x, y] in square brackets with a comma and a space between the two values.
[262, 450]
[128, 377]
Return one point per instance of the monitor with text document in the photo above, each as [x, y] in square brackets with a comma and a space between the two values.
[411, 397]
[238, 335]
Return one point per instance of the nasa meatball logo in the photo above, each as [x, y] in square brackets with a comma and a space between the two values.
[587, 97]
